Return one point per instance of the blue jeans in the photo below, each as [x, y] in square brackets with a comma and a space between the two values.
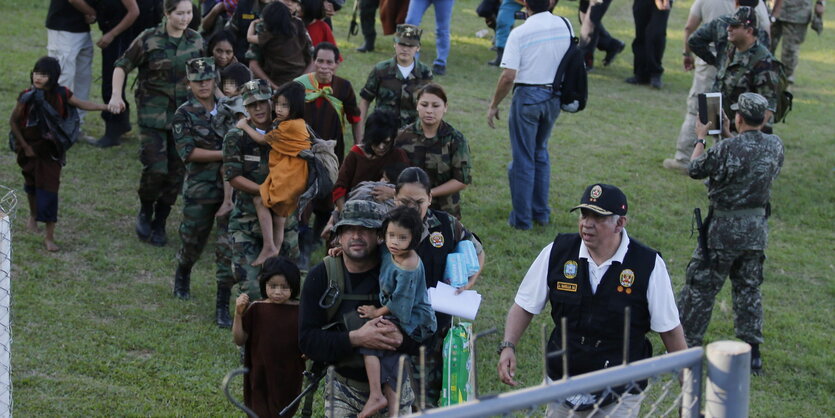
[505, 20]
[443, 15]
[532, 115]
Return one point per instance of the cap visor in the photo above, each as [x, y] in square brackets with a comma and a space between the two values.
[593, 208]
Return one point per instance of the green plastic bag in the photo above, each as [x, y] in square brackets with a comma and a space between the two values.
[458, 365]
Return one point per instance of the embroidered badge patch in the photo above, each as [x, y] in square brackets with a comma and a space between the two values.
[569, 270]
[627, 278]
[255, 158]
[568, 287]
[437, 239]
[596, 191]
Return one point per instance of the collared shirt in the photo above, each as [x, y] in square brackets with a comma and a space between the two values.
[533, 292]
[536, 48]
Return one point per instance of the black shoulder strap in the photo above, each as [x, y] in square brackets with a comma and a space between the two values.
[568, 25]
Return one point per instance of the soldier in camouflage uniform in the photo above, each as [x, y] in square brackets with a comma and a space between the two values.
[199, 126]
[245, 166]
[792, 18]
[445, 156]
[160, 53]
[739, 174]
[389, 87]
[748, 66]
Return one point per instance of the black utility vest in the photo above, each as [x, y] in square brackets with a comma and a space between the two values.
[433, 251]
[595, 321]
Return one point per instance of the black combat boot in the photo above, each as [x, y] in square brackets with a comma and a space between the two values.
[496, 62]
[222, 317]
[182, 283]
[143, 220]
[756, 360]
[112, 133]
[158, 237]
[368, 44]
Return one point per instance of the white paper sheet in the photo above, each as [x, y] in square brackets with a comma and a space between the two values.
[464, 305]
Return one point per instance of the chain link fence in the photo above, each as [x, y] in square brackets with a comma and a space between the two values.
[8, 205]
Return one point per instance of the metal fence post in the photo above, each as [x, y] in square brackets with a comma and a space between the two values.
[728, 379]
[691, 391]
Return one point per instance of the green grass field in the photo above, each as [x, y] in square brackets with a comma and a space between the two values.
[97, 332]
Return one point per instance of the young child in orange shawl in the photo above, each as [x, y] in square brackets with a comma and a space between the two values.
[288, 172]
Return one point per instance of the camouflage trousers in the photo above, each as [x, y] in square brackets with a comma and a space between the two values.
[195, 229]
[434, 369]
[792, 34]
[246, 242]
[163, 171]
[703, 282]
[703, 77]
[350, 396]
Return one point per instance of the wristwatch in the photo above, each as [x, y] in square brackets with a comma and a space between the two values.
[505, 344]
[701, 141]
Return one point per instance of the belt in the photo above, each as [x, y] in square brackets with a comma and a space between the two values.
[739, 212]
[542, 86]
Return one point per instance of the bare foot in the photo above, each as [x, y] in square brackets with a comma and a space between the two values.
[265, 254]
[50, 245]
[374, 404]
[32, 225]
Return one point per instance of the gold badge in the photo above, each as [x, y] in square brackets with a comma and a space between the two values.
[569, 270]
[627, 278]
[568, 287]
[437, 239]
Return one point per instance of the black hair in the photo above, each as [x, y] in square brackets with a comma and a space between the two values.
[236, 72]
[280, 265]
[50, 67]
[394, 169]
[327, 46]
[170, 5]
[312, 10]
[379, 126]
[413, 175]
[196, 18]
[219, 37]
[432, 88]
[293, 92]
[538, 6]
[278, 19]
[749, 3]
[407, 217]
[751, 121]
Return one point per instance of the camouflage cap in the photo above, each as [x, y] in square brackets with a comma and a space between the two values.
[199, 69]
[603, 199]
[751, 105]
[744, 16]
[255, 91]
[408, 35]
[361, 213]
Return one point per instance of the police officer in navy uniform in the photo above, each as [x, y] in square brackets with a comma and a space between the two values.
[590, 278]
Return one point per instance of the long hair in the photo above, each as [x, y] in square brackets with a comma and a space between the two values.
[407, 217]
[380, 125]
[50, 67]
[217, 38]
[293, 92]
[312, 10]
[280, 265]
[278, 19]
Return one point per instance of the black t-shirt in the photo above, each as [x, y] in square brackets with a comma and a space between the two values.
[64, 17]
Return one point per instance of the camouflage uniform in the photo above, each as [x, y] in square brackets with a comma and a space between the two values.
[195, 127]
[444, 157]
[387, 85]
[161, 89]
[710, 41]
[244, 157]
[791, 26]
[740, 171]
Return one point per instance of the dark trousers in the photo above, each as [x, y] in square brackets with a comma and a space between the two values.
[650, 39]
[599, 37]
[114, 124]
[368, 13]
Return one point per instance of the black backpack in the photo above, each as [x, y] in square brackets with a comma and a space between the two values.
[571, 80]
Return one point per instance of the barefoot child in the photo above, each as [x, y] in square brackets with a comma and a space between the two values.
[269, 331]
[403, 295]
[40, 154]
[288, 172]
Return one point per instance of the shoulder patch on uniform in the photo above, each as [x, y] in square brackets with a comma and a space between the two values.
[569, 270]
[178, 128]
[568, 287]
[437, 239]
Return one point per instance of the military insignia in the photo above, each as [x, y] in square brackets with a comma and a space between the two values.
[620, 289]
[596, 191]
[569, 270]
[437, 239]
[627, 278]
[628, 291]
[200, 65]
[178, 129]
[254, 158]
[568, 287]
[248, 16]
